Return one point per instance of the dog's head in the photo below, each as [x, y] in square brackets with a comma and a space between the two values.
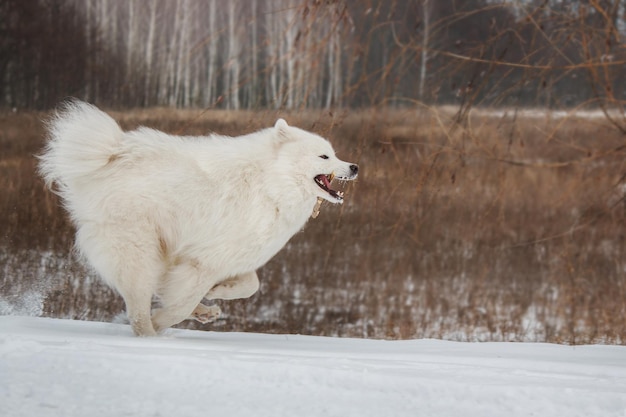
[312, 160]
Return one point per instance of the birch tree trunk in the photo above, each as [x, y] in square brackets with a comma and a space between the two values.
[130, 41]
[88, 40]
[171, 67]
[149, 47]
[330, 92]
[184, 61]
[304, 63]
[333, 94]
[253, 99]
[424, 60]
[232, 72]
[273, 45]
[289, 57]
[211, 93]
[109, 23]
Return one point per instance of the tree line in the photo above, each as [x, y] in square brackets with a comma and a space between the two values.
[295, 54]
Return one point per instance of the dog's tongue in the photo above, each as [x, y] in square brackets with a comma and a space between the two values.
[325, 181]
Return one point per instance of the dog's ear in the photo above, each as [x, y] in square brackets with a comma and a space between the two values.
[281, 125]
[282, 130]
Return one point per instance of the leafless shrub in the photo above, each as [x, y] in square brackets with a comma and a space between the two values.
[456, 234]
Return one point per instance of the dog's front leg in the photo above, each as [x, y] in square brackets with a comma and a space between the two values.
[205, 314]
[239, 286]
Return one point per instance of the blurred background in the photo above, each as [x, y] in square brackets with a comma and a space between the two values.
[491, 201]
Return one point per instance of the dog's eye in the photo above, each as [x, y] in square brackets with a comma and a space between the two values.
[324, 156]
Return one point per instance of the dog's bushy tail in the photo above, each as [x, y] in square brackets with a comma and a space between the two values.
[81, 140]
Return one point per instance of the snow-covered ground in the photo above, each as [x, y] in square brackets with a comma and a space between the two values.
[536, 113]
[51, 367]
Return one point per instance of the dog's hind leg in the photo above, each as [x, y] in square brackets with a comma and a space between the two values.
[138, 306]
[133, 270]
[135, 287]
[180, 292]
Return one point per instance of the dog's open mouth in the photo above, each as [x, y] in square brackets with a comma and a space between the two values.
[323, 181]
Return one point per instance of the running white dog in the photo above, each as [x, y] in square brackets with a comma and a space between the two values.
[184, 218]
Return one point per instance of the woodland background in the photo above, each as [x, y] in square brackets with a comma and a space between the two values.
[295, 54]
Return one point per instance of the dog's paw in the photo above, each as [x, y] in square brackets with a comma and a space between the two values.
[206, 314]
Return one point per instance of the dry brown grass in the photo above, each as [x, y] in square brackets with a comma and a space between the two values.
[491, 228]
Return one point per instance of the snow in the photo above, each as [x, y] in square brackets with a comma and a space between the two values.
[52, 367]
[538, 112]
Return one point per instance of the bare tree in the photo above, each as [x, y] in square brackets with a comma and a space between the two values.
[131, 35]
[211, 88]
[425, 46]
[149, 51]
[232, 61]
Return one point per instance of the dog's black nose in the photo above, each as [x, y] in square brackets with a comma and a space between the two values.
[354, 169]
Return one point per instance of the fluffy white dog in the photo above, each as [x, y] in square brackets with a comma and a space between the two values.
[184, 218]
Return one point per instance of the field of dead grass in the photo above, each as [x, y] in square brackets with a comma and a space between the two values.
[499, 226]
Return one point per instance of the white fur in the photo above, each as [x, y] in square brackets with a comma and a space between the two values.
[182, 218]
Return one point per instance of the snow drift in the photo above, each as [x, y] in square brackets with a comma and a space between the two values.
[51, 367]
